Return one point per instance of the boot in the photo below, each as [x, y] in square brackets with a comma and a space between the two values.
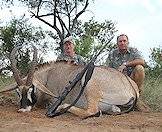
[142, 107]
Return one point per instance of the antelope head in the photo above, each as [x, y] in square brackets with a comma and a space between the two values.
[25, 89]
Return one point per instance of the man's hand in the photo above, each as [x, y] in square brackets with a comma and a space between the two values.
[122, 67]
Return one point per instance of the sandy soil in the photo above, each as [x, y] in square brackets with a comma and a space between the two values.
[36, 121]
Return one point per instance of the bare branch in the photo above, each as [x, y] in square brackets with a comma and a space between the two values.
[77, 15]
[49, 14]
[40, 1]
[54, 15]
[52, 26]
[68, 13]
[63, 25]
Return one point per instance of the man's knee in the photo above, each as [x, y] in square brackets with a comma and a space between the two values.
[138, 75]
[139, 69]
[139, 72]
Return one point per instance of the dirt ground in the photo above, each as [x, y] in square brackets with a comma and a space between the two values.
[36, 121]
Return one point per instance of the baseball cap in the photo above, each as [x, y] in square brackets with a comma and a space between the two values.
[69, 39]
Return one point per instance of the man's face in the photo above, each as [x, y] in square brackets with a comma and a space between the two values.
[68, 48]
[161, 56]
[122, 43]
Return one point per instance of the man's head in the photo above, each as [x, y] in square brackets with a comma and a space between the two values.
[122, 42]
[69, 46]
[161, 56]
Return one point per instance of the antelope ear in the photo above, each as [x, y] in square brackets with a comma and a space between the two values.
[8, 88]
[38, 84]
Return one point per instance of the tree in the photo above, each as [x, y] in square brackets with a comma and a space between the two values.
[63, 13]
[20, 32]
[63, 17]
[155, 68]
[92, 35]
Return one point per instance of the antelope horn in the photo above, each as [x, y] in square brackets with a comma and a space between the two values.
[8, 88]
[15, 71]
[33, 65]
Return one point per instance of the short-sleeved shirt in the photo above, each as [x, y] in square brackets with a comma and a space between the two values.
[78, 59]
[116, 58]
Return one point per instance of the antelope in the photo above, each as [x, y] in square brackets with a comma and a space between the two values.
[107, 90]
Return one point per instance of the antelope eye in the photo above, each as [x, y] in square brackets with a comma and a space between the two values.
[18, 92]
[30, 90]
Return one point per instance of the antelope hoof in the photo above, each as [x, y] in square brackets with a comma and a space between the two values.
[61, 107]
[28, 109]
[115, 109]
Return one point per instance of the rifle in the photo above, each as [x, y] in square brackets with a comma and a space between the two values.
[89, 68]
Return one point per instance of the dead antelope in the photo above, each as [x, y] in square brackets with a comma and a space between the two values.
[106, 91]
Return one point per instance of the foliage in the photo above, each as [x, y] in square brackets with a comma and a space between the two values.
[63, 13]
[153, 83]
[63, 17]
[20, 32]
[23, 64]
[92, 35]
[154, 69]
[5, 80]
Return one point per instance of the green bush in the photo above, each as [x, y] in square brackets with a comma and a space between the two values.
[152, 92]
[5, 80]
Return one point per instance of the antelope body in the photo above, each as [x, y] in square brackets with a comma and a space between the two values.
[106, 89]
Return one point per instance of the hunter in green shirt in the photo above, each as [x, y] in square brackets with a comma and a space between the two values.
[130, 62]
[69, 53]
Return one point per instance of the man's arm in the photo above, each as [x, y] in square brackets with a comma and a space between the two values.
[135, 62]
[131, 64]
[109, 60]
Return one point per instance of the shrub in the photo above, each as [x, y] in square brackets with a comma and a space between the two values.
[152, 92]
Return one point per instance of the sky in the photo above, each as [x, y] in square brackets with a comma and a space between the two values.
[141, 20]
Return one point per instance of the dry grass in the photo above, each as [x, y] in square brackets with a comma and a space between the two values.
[152, 93]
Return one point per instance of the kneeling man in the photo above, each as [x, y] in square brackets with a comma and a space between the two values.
[129, 61]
